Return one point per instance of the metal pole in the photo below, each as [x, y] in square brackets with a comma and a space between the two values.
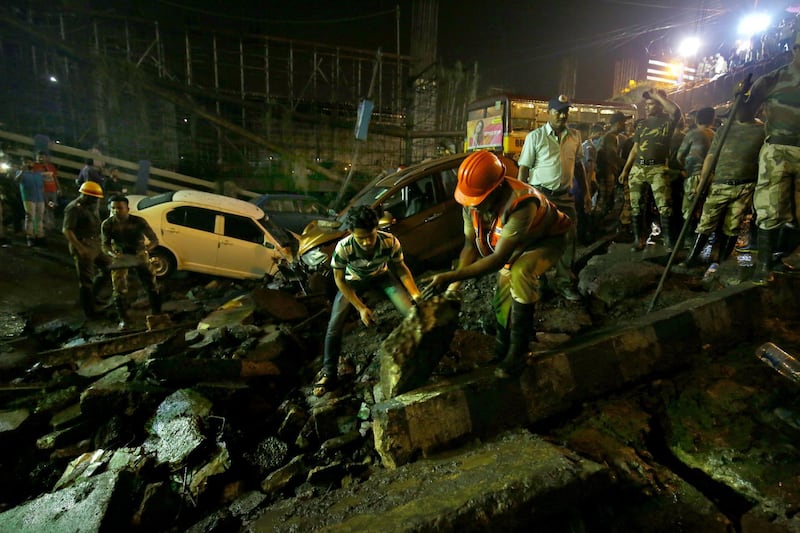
[346, 182]
[704, 182]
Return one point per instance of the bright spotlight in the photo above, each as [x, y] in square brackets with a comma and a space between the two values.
[689, 47]
[754, 24]
[53, 79]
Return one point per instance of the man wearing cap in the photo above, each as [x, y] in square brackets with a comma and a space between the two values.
[609, 163]
[513, 229]
[82, 229]
[547, 162]
[777, 197]
[647, 163]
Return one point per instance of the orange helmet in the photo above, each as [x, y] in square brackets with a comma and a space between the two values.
[478, 175]
[91, 188]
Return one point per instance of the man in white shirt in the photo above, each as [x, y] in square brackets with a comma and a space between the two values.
[547, 162]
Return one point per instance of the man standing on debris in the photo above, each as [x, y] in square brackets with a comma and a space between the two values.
[31, 189]
[82, 230]
[647, 163]
[548, 161]
[366, 260]
[123, 235]
[691, 155]
[731, 192]
[609, 164]
[776, 192]
[513, 229]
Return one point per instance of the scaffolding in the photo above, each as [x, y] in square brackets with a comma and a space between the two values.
[87, 77]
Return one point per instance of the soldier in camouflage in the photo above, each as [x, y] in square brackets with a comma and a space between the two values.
[776, 193]
[731, 192]
[647, 163]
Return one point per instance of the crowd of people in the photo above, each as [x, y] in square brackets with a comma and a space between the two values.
[669, 171]
[636, 181]
[104, 239]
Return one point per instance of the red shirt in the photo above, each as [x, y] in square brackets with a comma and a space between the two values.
[49, 175]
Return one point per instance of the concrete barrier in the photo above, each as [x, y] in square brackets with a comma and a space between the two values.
[478, 404]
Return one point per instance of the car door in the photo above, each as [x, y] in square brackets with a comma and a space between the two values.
[244, 249]
[427, 219]
[189, 232]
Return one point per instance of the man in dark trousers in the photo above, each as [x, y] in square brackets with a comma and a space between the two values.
[123, 237]
[82, 229]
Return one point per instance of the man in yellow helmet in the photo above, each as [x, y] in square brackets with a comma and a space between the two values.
[82, 229]
[512, 228]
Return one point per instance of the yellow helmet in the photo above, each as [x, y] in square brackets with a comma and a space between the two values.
[91, 188]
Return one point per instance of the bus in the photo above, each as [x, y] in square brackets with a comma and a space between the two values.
[500, 123]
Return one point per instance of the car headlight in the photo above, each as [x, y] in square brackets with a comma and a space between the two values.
[314, 258]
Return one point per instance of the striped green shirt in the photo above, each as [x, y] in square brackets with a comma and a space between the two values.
[359, 264]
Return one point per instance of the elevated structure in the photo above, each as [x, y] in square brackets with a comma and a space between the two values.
[182, 96]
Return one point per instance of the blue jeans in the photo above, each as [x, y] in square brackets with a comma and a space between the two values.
[388, 284]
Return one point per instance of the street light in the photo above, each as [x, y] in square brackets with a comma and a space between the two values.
[754, 24]
[689, 47]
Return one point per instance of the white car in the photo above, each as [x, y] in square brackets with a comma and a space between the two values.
[212, 234]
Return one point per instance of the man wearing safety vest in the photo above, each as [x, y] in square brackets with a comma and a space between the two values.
[512, 228]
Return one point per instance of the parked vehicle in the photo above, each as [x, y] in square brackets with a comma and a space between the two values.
[418, 208]
[212, 234]
[293, 211]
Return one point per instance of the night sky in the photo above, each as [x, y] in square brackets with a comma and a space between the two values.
[518, 47]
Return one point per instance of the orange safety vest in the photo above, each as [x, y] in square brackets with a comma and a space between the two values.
[548, 222]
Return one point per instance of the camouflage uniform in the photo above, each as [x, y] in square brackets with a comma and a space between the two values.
[779, 159]
[653, 135]
[731, 192]
[775, 198]
[692, 153]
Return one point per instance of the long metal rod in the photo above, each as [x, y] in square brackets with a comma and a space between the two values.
[704, 182]
[353, 163]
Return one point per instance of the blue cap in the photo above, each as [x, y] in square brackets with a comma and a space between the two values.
[559, 103]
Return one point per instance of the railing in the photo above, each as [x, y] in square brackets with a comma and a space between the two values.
[158, 179]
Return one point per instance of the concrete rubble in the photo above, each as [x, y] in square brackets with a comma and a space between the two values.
[209, 424]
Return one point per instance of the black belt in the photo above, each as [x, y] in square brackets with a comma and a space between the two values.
[553, 192]
[733, 182]
[786, 140]
[649, 162]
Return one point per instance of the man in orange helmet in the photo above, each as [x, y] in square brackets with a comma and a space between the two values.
[512, 228]
[82, 229]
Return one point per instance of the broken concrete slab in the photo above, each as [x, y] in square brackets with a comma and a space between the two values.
[113, 346]
[13, 419]
[488, 487]
[284, 476]
[237, 311]
[411, 352]
[279, 304]
[433, 417]
[85, 507]
[175, 429]
[188, 370]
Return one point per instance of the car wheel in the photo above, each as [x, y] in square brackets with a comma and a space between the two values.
[162, 262]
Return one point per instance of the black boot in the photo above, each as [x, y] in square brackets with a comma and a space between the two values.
[155, 302]
[699, 243]
[521, 331]
[767, 240]
[122, 311]
[501, 341]
[665, 233]
[636, 228]
[86, 296]
[726, 247]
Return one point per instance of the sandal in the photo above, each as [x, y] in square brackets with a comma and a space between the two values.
[325, 382]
